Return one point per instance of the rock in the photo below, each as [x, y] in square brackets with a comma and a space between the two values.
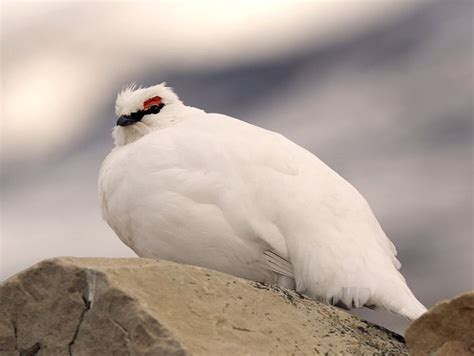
[104, 306]
[446, 329]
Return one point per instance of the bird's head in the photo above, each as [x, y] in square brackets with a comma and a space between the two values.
[142, 110]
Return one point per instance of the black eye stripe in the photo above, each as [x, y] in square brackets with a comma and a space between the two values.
[138, 115]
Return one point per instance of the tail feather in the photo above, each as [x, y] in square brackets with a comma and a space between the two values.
[412, 311]
[399, 299]
[394, 296]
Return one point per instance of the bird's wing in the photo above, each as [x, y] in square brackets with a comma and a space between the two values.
[319, 222]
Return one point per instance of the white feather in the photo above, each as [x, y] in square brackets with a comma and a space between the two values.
[213, 191]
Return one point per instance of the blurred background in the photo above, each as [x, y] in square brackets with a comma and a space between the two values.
[380, 90]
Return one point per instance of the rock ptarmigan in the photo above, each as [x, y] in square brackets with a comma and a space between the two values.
[213, 191]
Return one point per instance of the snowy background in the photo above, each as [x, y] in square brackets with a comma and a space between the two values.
[380, 90]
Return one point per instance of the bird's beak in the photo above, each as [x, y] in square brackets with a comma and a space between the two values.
[125, 121]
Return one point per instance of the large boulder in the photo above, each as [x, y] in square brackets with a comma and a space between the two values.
[104, 306]
[446, 329]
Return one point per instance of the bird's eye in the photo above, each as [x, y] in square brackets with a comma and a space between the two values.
[155, 109]
[155, 101]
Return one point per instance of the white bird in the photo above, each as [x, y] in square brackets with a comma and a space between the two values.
[213, 191]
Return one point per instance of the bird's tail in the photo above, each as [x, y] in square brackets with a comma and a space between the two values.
[399, 299]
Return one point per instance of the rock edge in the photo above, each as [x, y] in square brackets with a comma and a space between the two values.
[135, 306]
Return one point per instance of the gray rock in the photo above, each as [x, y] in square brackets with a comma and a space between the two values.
[104, 306]
[446, 329]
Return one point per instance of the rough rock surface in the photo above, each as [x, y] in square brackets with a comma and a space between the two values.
[446, 329]
[103, 306]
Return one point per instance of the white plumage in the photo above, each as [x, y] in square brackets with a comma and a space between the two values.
[213, 191]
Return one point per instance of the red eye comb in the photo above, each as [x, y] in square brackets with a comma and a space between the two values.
[156, 100]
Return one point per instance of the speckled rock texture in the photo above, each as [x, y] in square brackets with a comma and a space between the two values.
[104, 306]
[446, 329]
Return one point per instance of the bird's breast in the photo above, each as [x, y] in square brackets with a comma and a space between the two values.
[163, 207]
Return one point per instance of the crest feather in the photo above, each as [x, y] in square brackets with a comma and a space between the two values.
[131, 98]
